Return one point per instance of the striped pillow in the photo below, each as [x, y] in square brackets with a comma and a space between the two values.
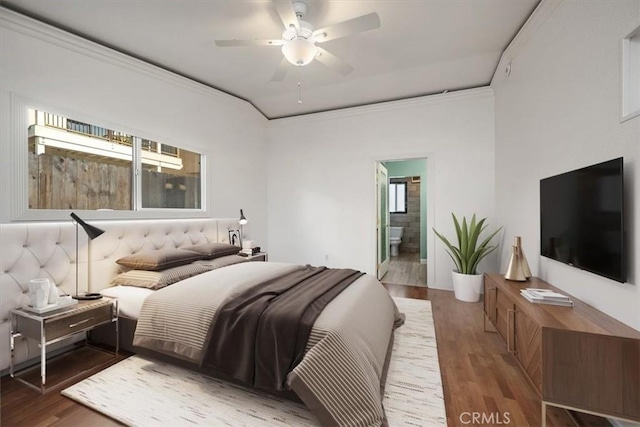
[158, 260]
[158, 279]
[213, 250]
[224, 261]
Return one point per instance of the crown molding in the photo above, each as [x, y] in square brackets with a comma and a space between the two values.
[47, 33]
[480, 92]
[540, 15]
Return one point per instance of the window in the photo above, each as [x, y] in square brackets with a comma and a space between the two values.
[77, 165]
[166, 185]
[398, 197]
[631, 75]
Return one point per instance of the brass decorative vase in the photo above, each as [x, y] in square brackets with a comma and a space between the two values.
[518, 268]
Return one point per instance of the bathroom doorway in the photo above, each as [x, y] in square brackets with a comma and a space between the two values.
[407, 204]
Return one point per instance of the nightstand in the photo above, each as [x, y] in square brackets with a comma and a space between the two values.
[51, 327]
[260, 256]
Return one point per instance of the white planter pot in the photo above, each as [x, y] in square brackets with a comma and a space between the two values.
[467, 287]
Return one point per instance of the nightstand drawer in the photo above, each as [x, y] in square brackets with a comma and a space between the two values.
[62, 326]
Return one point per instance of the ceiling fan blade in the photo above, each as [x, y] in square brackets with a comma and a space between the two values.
[286, 13]
[362, 23]
[234, 43]
[333, 62]
[281, 71]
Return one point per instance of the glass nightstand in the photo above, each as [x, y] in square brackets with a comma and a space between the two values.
[51, 327]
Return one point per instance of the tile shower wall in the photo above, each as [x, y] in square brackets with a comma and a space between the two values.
[411, 220]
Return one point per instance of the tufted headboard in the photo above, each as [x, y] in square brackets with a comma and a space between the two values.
[128, 237]
[34, 250]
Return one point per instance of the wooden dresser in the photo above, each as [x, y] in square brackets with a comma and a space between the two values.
[576, 358]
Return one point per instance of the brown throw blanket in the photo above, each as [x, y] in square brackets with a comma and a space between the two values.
[260, 335]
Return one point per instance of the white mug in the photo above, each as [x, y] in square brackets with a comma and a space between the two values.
[39, 292]
[53, 293]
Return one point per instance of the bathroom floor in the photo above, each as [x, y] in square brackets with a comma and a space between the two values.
[405, 269]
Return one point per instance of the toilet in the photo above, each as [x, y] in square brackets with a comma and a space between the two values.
[395, 238]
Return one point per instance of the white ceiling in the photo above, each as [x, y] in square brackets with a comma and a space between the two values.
[422, 47]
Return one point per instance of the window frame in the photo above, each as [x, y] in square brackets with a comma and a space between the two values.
[19, 178]
[630, 68]
[404, 184]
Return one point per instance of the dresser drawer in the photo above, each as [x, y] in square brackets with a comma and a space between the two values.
[63, 326]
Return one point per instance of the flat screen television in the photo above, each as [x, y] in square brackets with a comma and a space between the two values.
[582, 219]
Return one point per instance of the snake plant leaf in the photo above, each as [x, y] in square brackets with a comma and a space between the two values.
[464, 237]
[468, 254]
[459, 257]
[478, 256]
[488, 239]
[457, 225]
[453, 252]
[470, 242]
[454, 260]
[473, 228]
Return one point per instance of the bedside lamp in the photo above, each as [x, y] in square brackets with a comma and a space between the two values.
[92, 233]
[242, 221]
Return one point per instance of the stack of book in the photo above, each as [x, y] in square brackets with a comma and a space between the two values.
[546, 296]
[249, 251]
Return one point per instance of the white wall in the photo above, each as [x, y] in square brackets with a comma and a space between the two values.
[321, 192]
[559, 110]
[89, 82]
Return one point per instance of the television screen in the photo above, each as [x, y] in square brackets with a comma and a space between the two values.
[582, 219]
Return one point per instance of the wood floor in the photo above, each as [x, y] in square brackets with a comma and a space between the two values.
[22, 406]
[478, 375]
[405, 269]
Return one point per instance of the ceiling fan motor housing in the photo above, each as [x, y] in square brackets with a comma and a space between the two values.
[305, 31]
[300, 8]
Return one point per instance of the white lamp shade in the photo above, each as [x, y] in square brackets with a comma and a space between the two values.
[299, 51]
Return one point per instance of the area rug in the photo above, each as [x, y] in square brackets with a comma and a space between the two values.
[144, 392]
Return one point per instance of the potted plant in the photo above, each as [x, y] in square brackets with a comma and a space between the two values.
[467, 283]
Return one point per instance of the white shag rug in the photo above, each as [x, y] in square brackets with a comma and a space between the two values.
[145, 392]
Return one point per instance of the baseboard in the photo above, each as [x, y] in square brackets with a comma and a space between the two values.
[439, 288]
[423, 261]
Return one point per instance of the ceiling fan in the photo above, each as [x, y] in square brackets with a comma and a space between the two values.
[299, 40]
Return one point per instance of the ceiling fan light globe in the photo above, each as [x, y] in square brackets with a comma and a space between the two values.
[299, 52]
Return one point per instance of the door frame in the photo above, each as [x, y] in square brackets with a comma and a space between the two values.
[382, 267]
[430, 159]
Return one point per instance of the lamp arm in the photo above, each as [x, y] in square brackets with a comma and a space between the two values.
[76, 258]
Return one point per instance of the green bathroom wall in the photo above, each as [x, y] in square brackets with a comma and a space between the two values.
[414, 167]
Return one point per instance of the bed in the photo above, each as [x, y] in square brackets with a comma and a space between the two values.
[47, 249]
[343, 359]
